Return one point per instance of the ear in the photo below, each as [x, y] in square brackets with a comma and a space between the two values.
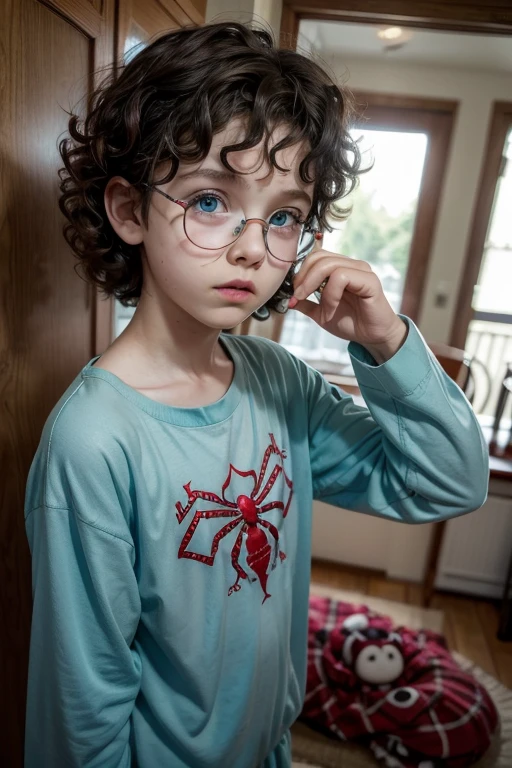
[121, 201]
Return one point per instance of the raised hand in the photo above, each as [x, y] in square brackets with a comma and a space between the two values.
[352, 305]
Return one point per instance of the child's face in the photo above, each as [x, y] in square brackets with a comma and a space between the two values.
[179, 274]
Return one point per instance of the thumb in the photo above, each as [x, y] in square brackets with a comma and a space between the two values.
[309, 308]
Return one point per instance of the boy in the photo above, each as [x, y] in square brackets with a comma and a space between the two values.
[169, 503]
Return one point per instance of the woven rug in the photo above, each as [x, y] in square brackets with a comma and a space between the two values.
[412, 616]
[312, 749]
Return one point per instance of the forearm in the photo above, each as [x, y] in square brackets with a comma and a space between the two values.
[431, 440]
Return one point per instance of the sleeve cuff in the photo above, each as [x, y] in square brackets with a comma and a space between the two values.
[403, 373]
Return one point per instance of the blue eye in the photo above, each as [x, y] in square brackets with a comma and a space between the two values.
[280, 219]
[208, 204]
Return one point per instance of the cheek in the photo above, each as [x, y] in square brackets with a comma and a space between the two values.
[171, 259]
[168, 237]
[174, 272]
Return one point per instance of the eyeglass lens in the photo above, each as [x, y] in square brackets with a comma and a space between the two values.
[206, 227]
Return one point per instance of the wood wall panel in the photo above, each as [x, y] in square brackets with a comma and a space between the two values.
[48, 318]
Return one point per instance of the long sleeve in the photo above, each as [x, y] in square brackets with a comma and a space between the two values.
[416, 454]
[83, 674]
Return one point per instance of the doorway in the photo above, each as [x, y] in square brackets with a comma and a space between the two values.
[405, 145]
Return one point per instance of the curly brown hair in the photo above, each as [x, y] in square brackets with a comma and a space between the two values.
[166, 105]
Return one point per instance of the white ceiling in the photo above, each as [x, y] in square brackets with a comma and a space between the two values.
[453, 49]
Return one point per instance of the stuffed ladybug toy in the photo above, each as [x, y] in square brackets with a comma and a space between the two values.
[399, 691]
[374, 654]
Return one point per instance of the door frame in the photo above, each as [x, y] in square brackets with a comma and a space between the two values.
[437, 117]
[495, 18]
[499, 125]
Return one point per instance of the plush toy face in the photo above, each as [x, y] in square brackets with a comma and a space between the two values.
[379, 664]
[373, 652]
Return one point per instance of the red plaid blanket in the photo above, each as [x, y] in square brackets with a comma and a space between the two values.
[431, 714]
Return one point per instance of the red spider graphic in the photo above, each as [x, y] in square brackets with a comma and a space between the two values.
[246, 512]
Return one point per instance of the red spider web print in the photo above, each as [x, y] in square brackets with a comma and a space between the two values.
[247, 512]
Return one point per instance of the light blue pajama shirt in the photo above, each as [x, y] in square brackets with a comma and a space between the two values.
[171, 547]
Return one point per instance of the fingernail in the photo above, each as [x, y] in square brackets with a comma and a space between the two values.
[293, 302]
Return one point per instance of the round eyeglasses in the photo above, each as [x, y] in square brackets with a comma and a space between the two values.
[210, 224]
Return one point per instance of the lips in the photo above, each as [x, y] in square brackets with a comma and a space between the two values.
[239, 285]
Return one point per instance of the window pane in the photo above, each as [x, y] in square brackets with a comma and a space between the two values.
[493, 290]
[490, 342]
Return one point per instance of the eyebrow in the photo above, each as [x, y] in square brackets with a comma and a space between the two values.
[235, 178]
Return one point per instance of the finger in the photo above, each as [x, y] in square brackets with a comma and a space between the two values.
[322, 253]
[332, 294]
[309, 308]
[325, 264]
[323, 270]
[325, 258]
[354, 281]
[309, 280]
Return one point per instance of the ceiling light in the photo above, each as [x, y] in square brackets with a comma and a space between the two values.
[394, 38]
[390, 33]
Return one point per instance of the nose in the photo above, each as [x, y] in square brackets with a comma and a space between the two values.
[249, 249]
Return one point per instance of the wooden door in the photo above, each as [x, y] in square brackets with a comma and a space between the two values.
[143, 20]
[48, 321]
[51, 321]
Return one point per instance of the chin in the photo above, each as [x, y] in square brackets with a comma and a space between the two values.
[227, 319]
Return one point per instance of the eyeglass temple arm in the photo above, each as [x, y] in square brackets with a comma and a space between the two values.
[183, 203]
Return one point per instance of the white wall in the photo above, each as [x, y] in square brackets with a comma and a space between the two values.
[475, 92]
[271, 11]
[349, 537]
[228, 9]
[268, 11]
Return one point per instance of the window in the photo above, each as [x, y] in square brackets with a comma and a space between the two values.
[490, 331]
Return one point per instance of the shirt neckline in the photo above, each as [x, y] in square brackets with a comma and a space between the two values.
[200, 416]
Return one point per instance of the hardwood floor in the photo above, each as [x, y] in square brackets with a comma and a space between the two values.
[470, 623]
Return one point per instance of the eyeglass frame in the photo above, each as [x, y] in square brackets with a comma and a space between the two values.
[317, 234]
